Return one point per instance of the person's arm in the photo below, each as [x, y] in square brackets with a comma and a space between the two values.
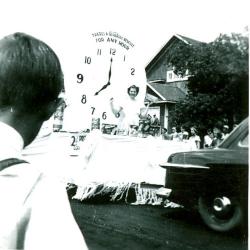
[52, 224]
[198, 142]
[143, 115]
[205, 144]
[115, 111]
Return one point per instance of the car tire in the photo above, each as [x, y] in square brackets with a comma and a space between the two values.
[227, 221]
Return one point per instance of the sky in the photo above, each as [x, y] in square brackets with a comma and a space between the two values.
[150, 24]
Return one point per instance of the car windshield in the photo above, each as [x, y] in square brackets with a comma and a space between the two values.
[244, 141]
[239, 134]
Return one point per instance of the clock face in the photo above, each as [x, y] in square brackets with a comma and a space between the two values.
[104, 68]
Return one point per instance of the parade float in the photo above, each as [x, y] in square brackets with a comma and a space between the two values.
[82, 143]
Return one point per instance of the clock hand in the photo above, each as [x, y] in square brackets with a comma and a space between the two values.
[108, 83]
[103, 87]
[111, 60]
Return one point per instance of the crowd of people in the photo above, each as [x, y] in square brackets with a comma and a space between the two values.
[214, 136]
[136, 123]
[145, 125]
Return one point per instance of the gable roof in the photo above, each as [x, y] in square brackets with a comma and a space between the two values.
[173, 39]
[188, 40]
[166, 92]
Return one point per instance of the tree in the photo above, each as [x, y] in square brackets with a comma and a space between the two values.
[217, 84]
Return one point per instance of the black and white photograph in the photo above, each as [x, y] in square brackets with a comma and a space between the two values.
[124, 124]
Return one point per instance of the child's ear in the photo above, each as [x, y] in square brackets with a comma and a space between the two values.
[51, 107]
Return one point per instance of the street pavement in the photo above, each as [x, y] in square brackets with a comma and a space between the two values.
[123, 226]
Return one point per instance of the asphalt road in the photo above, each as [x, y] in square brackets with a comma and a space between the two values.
[122, 226]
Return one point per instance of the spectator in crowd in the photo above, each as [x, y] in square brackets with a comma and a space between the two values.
[165, 135]
[174, 135]
[144, 125]
[194, 139]
[183, 135]
[235, 125]
[225, 131]
[35, 212]
[217, 131]
[208, 138]
[155, 121]
[134, 130]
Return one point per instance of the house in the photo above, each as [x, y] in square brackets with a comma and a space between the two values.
[164, 87]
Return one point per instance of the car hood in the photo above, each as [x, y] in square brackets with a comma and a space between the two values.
[211, 156]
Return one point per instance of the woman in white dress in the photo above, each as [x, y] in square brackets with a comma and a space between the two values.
[194, 139]
[128, 112]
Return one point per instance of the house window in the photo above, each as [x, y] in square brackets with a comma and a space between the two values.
[172, 77]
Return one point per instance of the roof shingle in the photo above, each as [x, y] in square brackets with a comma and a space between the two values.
[169, 93]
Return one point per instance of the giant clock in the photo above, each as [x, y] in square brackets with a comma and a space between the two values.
[106, 65]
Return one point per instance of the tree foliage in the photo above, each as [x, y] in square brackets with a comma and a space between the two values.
[218, 81]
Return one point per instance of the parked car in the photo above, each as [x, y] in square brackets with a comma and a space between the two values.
[214, 181]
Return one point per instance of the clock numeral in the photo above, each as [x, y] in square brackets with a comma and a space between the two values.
[132, 71]
[104, 115]
[87, 59]
[99, 52]
[112, 51]
[73, 141]
[124, 58]
[93, 110]
[84, 99]
[80, 78]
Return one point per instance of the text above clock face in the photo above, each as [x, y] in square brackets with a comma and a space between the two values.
[105, 67]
